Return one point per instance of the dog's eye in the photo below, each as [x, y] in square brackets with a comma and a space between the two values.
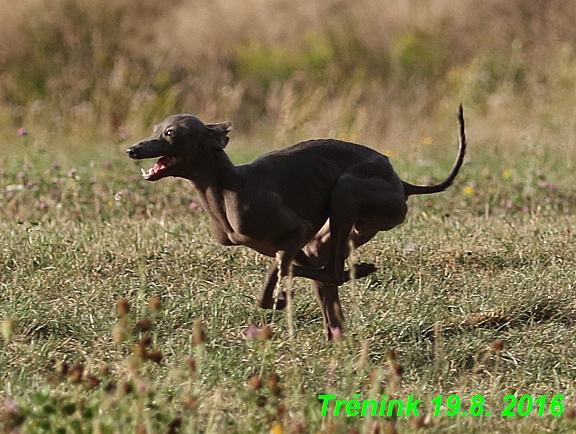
[169, 132]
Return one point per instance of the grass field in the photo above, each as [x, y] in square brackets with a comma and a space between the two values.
[120, 313]
[474, 295]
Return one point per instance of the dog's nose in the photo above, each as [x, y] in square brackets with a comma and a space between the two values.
[131, 151]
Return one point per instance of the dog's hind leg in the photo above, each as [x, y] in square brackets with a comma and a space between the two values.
[359, 205]
[329, 301]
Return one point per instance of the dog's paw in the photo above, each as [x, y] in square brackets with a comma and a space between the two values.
[265, 304]
[364, 269]
[278, 303]
[281, 301]
[334, 334]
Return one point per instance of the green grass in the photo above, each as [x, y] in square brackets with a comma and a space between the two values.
[490, 260]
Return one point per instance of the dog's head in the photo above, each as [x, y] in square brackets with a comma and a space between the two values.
[181, 141]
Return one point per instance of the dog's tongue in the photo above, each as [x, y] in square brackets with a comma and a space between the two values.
[162, 163]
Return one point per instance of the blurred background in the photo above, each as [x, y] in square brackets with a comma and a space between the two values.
[389, 74]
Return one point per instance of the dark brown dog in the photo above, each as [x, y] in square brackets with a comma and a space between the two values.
[304, 204]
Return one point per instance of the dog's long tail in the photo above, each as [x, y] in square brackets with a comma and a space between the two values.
[411, 189]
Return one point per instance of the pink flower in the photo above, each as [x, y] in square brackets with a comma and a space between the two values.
[10, 406]
[252, 332]
[22, 132]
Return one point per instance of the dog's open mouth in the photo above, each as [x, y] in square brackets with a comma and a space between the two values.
[157, 171]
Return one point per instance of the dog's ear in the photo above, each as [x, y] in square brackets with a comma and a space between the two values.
[220, 131]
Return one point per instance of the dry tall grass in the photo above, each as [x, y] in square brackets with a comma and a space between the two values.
[385, 73]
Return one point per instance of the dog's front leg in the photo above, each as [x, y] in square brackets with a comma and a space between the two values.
[265, 298]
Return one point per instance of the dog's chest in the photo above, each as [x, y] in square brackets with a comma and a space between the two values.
[264, 247]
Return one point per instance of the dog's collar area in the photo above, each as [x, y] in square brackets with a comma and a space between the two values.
[155, 172]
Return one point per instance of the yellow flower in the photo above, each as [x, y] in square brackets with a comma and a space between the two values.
[347, 137]
[276, 429]
[427, 141]
[390, 153]
[507, 174]
[468, 190]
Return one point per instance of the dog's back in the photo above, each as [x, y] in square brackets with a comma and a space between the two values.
[305, 174]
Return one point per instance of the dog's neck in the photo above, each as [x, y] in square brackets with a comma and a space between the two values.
[216, 182]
